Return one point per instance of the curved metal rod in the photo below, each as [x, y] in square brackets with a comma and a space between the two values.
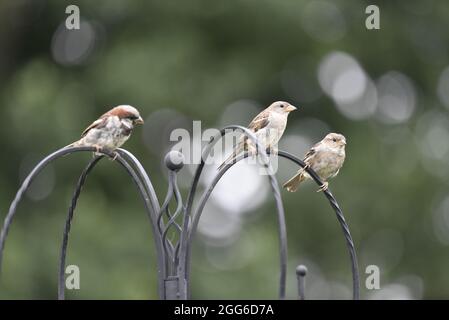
[144, 185]
[152, 197]
[68, 224]
[205, 196]
[164, 207]
[341, 220]
[172, 218]
[281, 217]
[179, 210]
[189, 229]
[146, 190]
[26, 183]
[140, 183]
[167, 245]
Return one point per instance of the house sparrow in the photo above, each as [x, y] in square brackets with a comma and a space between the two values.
[111, 130]
[268, 126]
[325, 158]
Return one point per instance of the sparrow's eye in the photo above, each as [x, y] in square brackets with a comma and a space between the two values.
[281, 105]
[334, 140]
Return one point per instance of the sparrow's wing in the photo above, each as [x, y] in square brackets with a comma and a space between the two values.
[311, 152]
[259, 122]
[98, 124]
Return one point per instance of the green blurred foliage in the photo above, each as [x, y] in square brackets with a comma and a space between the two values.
[197, 57]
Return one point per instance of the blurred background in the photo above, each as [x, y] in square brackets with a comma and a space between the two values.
[386, 90]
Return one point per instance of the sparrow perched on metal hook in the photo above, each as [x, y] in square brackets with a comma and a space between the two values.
[325, 158]
[111, 130]
[268, 127]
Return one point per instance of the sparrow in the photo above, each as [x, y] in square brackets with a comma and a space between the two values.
[111, 130]
[325, 158]
[268, 126]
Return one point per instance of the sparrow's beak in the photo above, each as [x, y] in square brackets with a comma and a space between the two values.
[290, 108]
[139, 121]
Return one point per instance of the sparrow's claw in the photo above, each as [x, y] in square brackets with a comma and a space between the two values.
[115, 156]
[97, 149]
[324, 187]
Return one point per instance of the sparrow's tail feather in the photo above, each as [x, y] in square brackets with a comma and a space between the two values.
[228, 160]
[293, 184]
[73, 144]
[70, 145]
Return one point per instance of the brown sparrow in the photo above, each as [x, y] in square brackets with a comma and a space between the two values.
[325, 158]
[268, 126]
[111, 130]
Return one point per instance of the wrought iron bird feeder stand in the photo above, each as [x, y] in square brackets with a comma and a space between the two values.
[174, 253]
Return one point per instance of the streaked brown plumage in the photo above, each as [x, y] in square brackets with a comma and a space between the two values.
[268, 127]
[111, 130]
[326, 158]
